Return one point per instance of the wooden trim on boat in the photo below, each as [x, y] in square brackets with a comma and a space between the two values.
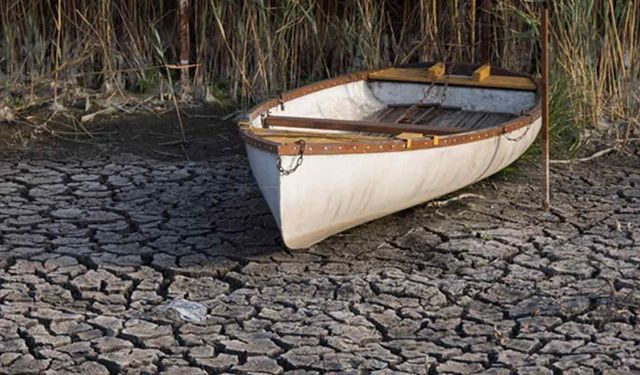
[505, 80]
[419, 75]
[389, 145]
[357, 126]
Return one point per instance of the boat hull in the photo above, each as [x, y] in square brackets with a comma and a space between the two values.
[328, 194]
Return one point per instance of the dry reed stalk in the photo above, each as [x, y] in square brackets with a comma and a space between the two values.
[185, 49]
[58, 51]
[249, 50]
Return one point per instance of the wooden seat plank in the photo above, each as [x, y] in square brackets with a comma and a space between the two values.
[420, 75]
[358, 125]
[310, 135]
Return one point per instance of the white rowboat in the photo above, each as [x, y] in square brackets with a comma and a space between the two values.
[341, 152]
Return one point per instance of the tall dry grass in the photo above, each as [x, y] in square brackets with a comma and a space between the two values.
[250, 49]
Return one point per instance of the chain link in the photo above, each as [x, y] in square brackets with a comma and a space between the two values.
[298, 162]
[518, 138]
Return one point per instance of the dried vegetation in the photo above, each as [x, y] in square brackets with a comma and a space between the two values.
[125, 55]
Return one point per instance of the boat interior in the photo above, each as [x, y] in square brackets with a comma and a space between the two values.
[416, 101]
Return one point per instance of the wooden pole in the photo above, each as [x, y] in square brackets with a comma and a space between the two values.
[184, 46]
[486, 6]
[546, 203]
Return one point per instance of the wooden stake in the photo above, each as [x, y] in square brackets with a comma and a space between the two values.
[546, 203]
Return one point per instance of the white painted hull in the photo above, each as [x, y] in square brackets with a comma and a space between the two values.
[331, 193]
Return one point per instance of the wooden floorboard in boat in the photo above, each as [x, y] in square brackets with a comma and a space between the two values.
[445, 117]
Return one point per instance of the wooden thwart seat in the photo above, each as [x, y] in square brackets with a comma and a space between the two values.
[482, 78]
[400, 121]
[358, 125]
[284, 136]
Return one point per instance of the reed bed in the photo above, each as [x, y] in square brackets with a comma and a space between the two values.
[247, 50]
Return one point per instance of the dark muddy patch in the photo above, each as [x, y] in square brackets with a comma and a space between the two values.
[208, 133]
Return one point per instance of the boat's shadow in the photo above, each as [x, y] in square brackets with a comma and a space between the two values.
[244, 224]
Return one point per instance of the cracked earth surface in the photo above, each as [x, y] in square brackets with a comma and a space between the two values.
[90, 250]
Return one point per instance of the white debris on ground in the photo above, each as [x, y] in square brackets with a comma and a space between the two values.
[188, 311]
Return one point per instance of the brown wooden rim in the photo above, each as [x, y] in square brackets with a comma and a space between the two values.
[385, 145]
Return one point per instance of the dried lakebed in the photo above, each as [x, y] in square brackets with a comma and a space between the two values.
[90, 250]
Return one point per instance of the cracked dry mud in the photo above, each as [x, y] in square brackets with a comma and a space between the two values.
[90, 249]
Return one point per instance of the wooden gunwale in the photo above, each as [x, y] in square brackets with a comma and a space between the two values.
[384, 145]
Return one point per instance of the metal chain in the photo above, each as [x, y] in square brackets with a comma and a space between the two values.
[443, 92]
[298, 162]
[516, 139]
[447, 59]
